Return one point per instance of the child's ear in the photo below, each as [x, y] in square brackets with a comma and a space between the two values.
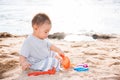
[35, 27]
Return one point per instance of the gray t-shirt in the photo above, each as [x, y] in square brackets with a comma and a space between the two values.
[35, 49]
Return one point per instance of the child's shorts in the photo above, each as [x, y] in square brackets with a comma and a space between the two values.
[47, 63]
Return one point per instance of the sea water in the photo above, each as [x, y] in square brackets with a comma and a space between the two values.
[69, 16]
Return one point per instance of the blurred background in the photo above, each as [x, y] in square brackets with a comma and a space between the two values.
[69, 16]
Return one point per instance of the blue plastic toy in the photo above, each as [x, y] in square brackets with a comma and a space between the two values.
[81, 68]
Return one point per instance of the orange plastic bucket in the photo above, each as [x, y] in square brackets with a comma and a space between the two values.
[66, 62]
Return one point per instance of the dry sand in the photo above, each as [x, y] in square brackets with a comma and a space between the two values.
[102, 56]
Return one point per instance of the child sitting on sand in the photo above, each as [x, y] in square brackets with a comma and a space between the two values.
[37, 53]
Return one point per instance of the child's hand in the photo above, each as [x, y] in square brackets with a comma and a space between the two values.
[25, 65]
[62, 55]
[59, 58]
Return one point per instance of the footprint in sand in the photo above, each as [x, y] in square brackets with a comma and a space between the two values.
[118, 57]
[115, 63]
[9, 65]
[111, 78]
[4, 56]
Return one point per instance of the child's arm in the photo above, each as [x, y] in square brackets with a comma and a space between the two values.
[56, 49]
[23, 62]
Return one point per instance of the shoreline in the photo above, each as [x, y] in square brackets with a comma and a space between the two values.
[68, 36]
[101, 55]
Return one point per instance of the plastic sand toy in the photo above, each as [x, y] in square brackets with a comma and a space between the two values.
[36, 73]
[66, 62]
[81, 68]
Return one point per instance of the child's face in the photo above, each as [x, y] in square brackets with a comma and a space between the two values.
[42, 31]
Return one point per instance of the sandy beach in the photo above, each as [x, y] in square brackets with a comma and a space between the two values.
[101, 55]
